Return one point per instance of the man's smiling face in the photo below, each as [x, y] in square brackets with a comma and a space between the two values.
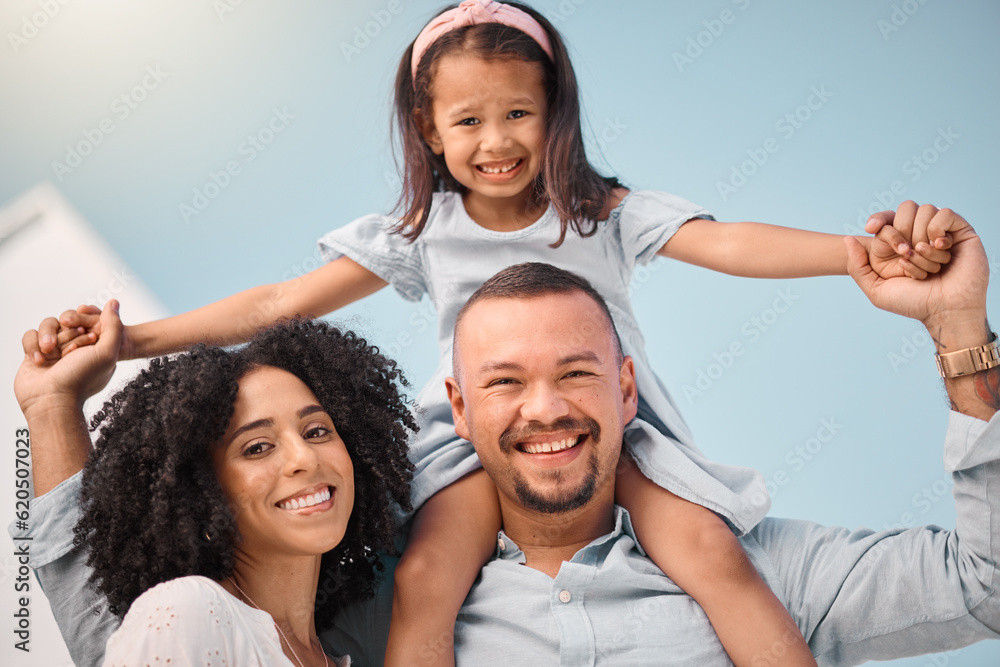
[541, 395]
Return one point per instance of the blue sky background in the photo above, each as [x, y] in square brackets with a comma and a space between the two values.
[675, 95]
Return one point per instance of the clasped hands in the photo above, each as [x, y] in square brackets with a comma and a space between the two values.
[953, 298]
[899, 269]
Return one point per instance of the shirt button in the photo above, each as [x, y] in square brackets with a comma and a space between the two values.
[564, 596]
[501, 545]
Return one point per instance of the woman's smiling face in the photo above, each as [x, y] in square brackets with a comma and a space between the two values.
[284, 468]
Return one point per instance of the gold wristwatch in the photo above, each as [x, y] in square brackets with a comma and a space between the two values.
[970, 360]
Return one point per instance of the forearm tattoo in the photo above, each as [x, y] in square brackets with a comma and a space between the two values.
[988, 387]
[937, 342]
[988, 382]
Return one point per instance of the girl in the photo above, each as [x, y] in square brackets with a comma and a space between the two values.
[495, 174]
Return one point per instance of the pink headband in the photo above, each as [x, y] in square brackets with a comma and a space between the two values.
[472, 12]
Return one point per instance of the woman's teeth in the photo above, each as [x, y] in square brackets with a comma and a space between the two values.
[499, 170]
[544, 447]
[306, 501]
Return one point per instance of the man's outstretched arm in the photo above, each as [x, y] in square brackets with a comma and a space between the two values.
[51, 397]
[864, 595]
[951, 305]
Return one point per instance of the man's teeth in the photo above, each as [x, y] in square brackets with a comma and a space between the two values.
[543, 447]
[306, 501]
[500, 170]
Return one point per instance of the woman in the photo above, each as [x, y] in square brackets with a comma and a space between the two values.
[217, 505]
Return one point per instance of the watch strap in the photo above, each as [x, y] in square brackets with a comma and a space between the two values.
[970, 360]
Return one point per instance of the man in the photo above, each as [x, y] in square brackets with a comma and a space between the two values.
[569, 584]
[537, 361]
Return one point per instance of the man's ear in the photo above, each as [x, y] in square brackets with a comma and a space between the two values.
[457, 408]
[630, 392]
[430, 133]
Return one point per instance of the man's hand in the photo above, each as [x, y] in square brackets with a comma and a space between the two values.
[951, 304]
[892, 257]
[70, 380]
[955, 295]
[909, 248]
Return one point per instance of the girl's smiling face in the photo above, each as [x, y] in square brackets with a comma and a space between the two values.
[284, 468]
[488, 119]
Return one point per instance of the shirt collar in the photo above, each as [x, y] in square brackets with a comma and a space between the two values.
[507, 549]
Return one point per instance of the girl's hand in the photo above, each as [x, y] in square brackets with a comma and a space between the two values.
[69, 381]
[86, 319]
[73, 329]
[947, 300]
[915, 246]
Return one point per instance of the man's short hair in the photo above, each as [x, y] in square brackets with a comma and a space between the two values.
[535, 279]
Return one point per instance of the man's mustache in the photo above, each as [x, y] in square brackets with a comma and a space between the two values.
[511, 437]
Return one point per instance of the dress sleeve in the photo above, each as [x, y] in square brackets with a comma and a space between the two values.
[646, 219]
[370, 242]
[180, 622]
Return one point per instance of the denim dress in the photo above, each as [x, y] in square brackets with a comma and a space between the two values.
[454, 255]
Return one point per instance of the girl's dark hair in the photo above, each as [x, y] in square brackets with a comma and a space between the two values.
[152, 508]
[577, 192]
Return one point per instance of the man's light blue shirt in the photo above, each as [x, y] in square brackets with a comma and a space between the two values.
[856, 595]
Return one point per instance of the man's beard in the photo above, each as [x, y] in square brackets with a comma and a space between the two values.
[571, 499]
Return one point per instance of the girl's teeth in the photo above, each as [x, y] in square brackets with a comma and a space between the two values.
[501, 170]
[306, 501]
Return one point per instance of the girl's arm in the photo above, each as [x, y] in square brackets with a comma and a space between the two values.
[757, 250]
[225, 322]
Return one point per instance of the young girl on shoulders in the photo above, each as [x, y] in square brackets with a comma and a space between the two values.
[495, 174]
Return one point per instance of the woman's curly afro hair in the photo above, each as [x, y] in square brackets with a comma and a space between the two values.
[152, 508]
